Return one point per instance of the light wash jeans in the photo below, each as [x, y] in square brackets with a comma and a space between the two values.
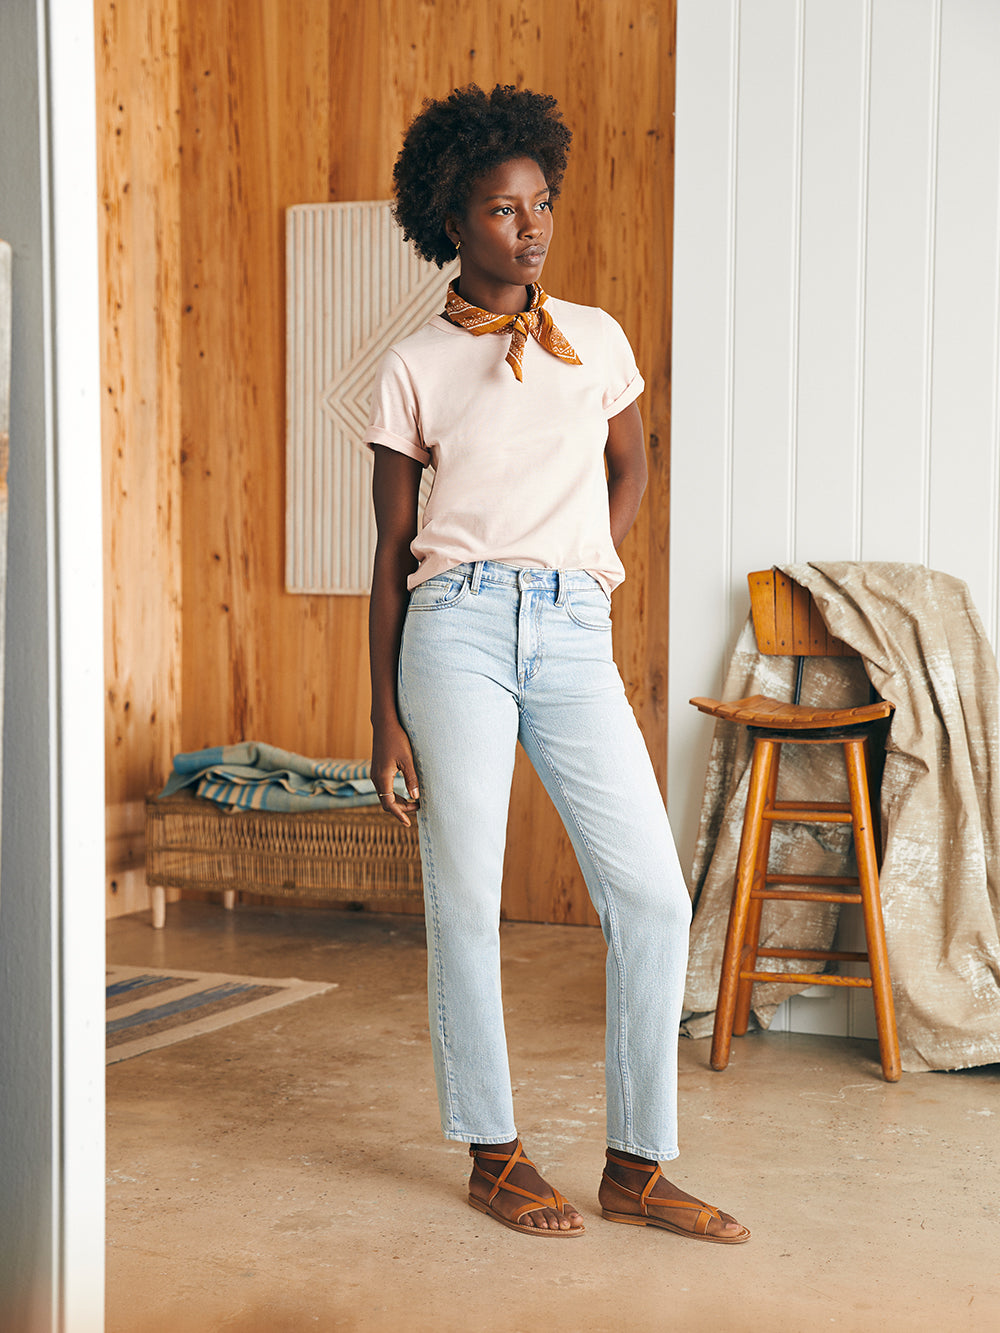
[491, 655]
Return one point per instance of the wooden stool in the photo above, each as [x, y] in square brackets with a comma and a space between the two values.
[787, 622]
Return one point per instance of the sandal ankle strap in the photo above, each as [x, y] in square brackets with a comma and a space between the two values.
[648, 1167]
[518, 1153]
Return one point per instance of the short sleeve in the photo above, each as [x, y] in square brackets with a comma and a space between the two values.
[393, 418]
[622, 384]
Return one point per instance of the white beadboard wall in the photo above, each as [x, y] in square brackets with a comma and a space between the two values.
[836, 366]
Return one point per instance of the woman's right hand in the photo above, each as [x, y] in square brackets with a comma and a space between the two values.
[391, 754]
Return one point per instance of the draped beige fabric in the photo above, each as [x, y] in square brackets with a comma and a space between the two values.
[925, 650]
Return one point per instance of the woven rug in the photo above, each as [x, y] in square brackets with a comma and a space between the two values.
[148, 1008]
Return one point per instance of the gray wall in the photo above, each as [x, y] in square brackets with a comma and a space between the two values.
[51, 930]
[27, 980]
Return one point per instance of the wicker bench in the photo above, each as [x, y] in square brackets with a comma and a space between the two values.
[335, 855]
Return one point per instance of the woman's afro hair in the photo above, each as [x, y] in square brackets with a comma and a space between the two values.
[453, 142]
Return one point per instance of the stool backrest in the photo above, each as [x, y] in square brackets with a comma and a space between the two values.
[787, 621]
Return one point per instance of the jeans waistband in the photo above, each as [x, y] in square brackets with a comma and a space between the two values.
[491, 572]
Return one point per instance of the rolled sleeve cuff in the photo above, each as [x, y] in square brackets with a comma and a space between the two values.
[628, 395]
[376, 435]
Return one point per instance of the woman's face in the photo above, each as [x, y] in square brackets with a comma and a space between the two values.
[504, 235]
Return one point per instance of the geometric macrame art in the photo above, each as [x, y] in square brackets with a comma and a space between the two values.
[354, 287]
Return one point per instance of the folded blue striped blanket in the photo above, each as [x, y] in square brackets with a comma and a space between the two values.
[252, 776]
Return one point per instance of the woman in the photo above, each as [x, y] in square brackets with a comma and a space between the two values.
[491, 625]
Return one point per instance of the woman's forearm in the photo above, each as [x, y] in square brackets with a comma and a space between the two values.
[385, 628]
[395, 488]
[624, 498]
[391, 752]
[625, 455]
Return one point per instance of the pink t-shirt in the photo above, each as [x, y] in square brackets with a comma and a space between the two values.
[518, 467]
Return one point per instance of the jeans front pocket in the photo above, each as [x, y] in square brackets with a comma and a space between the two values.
[589, 607]
[439, 592]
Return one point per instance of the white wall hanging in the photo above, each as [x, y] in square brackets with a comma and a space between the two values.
[354, 287]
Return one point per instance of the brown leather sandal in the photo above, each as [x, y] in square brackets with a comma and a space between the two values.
[499, 1183]
[619, 1204]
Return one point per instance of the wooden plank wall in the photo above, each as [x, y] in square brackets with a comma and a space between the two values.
[138, 82]
[292, 104]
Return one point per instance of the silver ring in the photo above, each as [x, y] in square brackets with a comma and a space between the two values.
[385, 793]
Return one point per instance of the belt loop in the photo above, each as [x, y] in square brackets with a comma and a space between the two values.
[561, 594]
[477, 576]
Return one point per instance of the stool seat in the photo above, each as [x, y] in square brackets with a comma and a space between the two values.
[778, 715]
[778, 608]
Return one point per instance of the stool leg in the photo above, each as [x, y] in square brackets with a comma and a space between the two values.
[760, 775]
[751, 938]
[874, 787]
[871, 904]
[158, 901]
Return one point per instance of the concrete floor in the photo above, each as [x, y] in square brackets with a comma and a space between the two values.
[287, 1173]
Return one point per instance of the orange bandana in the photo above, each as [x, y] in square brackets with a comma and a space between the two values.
[534, 321]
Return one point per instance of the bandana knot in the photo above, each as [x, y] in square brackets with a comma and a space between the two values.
[535, 322]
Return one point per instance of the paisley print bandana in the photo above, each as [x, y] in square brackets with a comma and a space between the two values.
[535, 322]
